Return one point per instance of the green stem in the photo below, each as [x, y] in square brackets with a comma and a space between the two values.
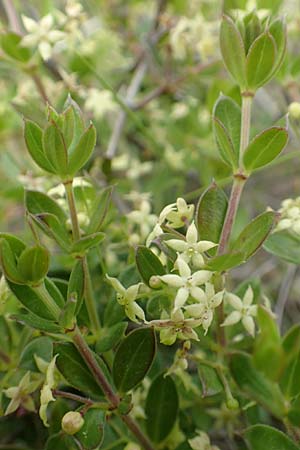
[72, 208]
[89, 297]
[48, 300]
[236, 191]
[88, 289]
[107, 389]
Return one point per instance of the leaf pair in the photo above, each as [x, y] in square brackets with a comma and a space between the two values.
[64, 146]
[252, 51]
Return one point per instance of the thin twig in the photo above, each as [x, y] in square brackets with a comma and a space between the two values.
[284, 292]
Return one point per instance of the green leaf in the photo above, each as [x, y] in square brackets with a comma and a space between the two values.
[38, 203]
[82, 151]
[32, 301]
[55, 148]
[254, 234]
[76, 284]
[210, 213]
[225, 262]
[161, 408]
[267, 346]
[278, 31]
[227, 129]
[285, 245]
[61, 441]
[11, 45]
[74, 369]
[87, 242]
[265, 147]
[148, 263]
[233, 50]
[53, 228]
[134, 358]
[256, 386]
[34, 142]
[210, 382]
[92, 432]
[8, 263]
[34, 321]
[33, 264]
[260, 60]
[289, 381]
[41, 347]
[109, 337]
[262, 437]
[17, 246]
[99, 210]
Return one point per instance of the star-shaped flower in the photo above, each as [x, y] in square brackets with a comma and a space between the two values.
[20, 395]
[177, 214]
[176, 326]
[191, 250]
[244, 311]
[127, 297]
[187, 283]
[41, 34]
[204, 310]
[46, 395]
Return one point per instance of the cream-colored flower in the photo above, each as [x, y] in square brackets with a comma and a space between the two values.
[143, 218]
[244, 311]
[100, 102]
[289, 215]
[186, 283]
[176, 326]
[201, 442]
[204, 310]
[42, 35]
[20, 395]
[127, 297]
[46, 395]
[191, 250]
[177, 214]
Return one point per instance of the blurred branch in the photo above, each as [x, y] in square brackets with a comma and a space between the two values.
[15, 26]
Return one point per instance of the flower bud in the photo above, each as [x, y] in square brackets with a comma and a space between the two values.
[155, 282]
[72, 422]
[294, 110]
[232, 403]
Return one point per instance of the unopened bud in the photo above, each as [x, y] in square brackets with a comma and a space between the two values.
[72, 422]
[155, 282]
[232, 403]
[294, 110]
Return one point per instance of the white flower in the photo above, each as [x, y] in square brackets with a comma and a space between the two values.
[204, 310]
[187, 283]
[177, 326]
[143, 218]
[290, 215]
[177, 214]
[100, 103]
[191, 250]
[127, 297]
[201, 442]
[41, 35]
[244, 311]
[46, 393]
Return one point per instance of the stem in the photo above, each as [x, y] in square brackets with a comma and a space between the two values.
[72, 208]
[236, 191]
[48, 300]
[88, 290]
[89, 297]
[109, 393]
[284, 292]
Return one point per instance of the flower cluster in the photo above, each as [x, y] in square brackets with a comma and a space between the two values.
[290, 215]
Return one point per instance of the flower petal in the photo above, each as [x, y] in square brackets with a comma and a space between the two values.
[177, 244]
[234, 301]
[201, 277]
[196, 310]
[198, 294]
[216, 300]
[232, 319]
[168, 336]
[116, 285]
[181, 297]
[249, 325]
[183, 268]
[204, 246]
[248, 297]
[192, 234]
[172, 280]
